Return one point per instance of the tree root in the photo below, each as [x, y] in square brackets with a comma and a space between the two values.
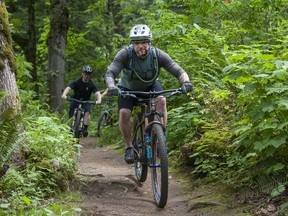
[204, 204]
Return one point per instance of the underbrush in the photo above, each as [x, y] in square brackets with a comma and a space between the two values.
[40, 165]
[111, 135]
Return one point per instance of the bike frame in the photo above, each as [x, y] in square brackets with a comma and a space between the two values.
[148, 107]
[151, 150]
[78, 117]
[148, 110]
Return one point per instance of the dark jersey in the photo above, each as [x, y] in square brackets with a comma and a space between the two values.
[82, 90]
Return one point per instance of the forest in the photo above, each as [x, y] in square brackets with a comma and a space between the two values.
[232, 128]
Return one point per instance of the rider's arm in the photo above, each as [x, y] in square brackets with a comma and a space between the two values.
[65, 92]
[184, 78]
[98, 97]
[104, 93]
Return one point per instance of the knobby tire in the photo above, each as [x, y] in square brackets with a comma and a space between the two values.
[77, 128]
[140, 163]
[159, 168]
[102, 121]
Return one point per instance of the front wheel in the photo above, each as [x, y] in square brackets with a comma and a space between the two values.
[159, 165]
[102, 122]
[140, 163]
[77, 126]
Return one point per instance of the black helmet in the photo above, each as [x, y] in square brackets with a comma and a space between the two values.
[87, 69]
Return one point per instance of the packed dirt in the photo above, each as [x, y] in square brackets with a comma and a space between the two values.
[109, 188]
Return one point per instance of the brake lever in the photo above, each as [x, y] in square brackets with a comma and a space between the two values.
[125, 94]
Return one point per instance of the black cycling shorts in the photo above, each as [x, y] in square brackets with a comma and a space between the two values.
[74, 105]
[129, 102]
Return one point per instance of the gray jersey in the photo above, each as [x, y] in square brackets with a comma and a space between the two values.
[142, 73]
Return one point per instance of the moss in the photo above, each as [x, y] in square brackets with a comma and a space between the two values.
[59, 20]
[214, 140]
[6, 51]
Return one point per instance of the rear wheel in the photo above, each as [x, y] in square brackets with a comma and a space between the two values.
[140, 163]
[102, 122]
[77, 128]
[159, 166]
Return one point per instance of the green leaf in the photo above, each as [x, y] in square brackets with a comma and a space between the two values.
[276, 167]
[26, 200]
[282, 125]
[277, 191]
[282, 102]
[197, 26]
[265, 57]
[228, 68]
[268, 107]
[276, 142]
[281, 64]
[237, 57]
[4, 205]
[51, 138]
[242, 129]
[276, 89]
[45, 119]
[280, 74]
[261, 75]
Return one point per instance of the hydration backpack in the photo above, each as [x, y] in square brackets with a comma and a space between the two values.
[153, 57]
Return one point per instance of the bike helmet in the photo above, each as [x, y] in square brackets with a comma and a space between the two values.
[87, 69]
[140, 32]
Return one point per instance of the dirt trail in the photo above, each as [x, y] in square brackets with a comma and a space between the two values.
[110, 188]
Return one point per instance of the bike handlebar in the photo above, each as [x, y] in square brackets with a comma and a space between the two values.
[150, 94]
[80, 101]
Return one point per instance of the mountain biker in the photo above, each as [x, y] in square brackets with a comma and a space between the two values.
[139, 74]
[83, 88]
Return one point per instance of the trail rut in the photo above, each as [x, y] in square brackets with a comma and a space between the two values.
[110, 188]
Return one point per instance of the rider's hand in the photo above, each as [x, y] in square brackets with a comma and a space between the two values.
[187, 87]
[97, 102]
[64, 97]
[113, 90]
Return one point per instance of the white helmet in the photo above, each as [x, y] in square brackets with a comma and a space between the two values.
[140, 32]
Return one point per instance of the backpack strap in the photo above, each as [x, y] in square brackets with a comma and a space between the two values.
[153, 57]
[131, 57]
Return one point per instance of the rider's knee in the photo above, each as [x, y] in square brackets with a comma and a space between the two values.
[125, 114]
[161, 102]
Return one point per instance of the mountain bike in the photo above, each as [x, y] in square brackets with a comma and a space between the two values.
[105, 119]
[77, 125]
[149, 142]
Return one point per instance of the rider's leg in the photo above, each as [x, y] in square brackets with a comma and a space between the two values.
[125, 106]
[87, 118]
[86, 123]
[72, 107]
[161, 107]
[87, 108]
[124, 125]
[125, 128]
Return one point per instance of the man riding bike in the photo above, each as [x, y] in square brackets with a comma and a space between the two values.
[140, 65]
[83, 88]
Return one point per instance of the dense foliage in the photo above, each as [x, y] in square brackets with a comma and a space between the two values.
[235, 52]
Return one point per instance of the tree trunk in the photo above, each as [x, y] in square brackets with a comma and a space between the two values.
[9, 96]
[28, 41]
[31, 51]
[56, 52]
